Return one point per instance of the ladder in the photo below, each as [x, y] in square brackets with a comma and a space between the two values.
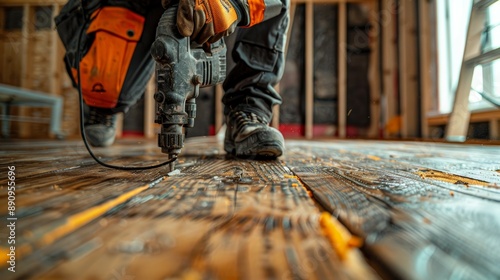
[458, 124]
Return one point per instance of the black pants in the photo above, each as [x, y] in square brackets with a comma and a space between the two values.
[258, 54]
[260, 62]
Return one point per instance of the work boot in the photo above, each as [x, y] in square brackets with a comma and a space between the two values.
[248, 135]
[100, 128]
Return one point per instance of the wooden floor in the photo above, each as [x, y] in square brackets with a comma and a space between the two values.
[326, 210]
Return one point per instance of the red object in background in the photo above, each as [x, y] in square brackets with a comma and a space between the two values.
[211, 130]
[292, 130]
[132, 134]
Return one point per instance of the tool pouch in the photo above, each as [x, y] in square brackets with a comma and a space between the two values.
[106, 49]
[115, 32]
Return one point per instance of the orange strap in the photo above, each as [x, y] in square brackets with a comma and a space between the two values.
[220, 12]
[104, 68]
[257, 9]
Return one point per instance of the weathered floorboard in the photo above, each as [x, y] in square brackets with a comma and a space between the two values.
[416, 226]
[424, 211]
[219, 218]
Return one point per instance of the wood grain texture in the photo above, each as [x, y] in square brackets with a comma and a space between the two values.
[423, 210]
[416, 227]
[220, 218]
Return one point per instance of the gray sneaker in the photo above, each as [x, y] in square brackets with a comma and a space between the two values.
[248, 135]
[100, 128]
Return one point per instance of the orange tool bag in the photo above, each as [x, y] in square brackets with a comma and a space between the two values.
[116, 31]
[106, 50]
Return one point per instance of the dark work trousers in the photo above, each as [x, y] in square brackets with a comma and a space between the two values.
[260, 61]
[258, 54]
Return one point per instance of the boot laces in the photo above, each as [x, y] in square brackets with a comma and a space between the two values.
[242, 119]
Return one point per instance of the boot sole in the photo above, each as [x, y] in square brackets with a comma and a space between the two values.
[256, 146]
[266, 151]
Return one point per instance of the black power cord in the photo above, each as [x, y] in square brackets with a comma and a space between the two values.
[82, 116]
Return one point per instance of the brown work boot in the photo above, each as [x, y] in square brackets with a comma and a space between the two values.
[249, 135]
[100, 128]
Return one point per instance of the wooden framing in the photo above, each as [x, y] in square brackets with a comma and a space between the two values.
[54, 56]
[276, 110]
[342, 93]
[56, 71]
[2, 22]
[342, 67]
[309, 71]
[494, 127]
[25, 51]
[389, 64]
[408, 70]
[425, 63]
[374, 75]
[384, 92]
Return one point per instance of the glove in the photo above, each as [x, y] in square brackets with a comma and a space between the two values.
[210, 20]
[206, 20]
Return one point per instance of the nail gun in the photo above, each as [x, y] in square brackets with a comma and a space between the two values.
[182, 68]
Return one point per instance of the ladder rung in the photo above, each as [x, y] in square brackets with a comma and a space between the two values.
[483, 4]
[484, 58]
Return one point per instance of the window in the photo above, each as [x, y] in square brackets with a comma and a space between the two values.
[484, 81]
[452, 33]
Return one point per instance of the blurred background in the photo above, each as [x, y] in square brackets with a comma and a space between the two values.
[378, 69]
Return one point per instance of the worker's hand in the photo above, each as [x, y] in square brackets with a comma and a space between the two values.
[206, 20]
[209, 20]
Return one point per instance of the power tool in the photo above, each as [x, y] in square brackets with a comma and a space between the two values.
[182, 67]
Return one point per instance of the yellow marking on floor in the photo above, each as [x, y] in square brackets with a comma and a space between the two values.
[340, 238]
[450, 178]
[375, 158]
[73, 223]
